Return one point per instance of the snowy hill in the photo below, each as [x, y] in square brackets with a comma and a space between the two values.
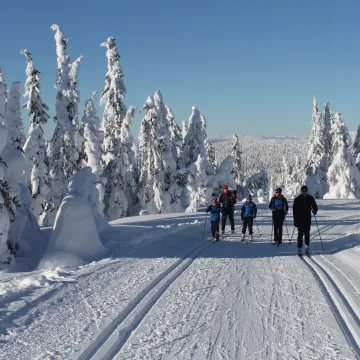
[166, 293]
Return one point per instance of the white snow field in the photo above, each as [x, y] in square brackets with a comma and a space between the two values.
[165, 293]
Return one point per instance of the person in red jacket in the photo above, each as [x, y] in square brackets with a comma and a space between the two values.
[227, 203]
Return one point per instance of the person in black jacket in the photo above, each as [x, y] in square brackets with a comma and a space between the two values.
[304, 204]
[227, 203]
[279, 207]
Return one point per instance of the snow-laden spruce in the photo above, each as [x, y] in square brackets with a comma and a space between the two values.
[184, 129]
[112, 98]
[7, 207]
[328, 122]
[210, 150]
[36, 170]
[317, 164]
[158, 190]
[66, 143]
[176, 138]
[129, 158]
[93, 137]
[293, 178]
[238, 170]
[356, 148]
[3, 96]
[194, 144]
[14, 123]
[343, 174]
[197, 184]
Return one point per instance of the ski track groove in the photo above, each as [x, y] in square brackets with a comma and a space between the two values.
[343, 307]
[164, 281]
[339, 305]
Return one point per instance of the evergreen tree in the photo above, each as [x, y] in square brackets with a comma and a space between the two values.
[344, 176]
[238, 171]
[128, 156]
[14, 123]
[112, 98]
[175, 137]
[356, 148]
[93, 137]
[38, 179]
[210, 151]
[3, 96]
[194, 144]
[184, 129]
[159, 191]
[66, 143]
[317, 165]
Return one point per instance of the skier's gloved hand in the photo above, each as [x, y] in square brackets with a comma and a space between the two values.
[314, 212]
[242, 218]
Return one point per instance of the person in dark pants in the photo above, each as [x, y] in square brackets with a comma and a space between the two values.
[215, 211]
[227, 203]
[279, 207]
[304, 204]
[248, 214]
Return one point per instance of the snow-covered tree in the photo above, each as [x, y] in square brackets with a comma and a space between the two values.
[356, 148]
[194, 144]
[112, 98]
[327, 129]
[344, 176]
[93, 137]
[159, 192]
[175, 137]
[197, 183]
[184, 129]
[293, 178]
[317, 164]
[37, 174]
[66, 143]
[209, 148]
[14, 123]
[3, 96]
[128, 157]
[238, 171]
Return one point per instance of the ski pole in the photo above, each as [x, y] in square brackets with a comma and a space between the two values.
[257, 227]
[287, 230]
[292, 235]
[202, 238]
[319, 232]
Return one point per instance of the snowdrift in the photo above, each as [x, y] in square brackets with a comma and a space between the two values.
[75, 238]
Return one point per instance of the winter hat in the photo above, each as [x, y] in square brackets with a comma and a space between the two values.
[304, 188]
[249, 197]
[225, 186]
[278, 190]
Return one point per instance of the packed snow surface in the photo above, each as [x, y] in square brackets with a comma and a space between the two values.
[166, 293]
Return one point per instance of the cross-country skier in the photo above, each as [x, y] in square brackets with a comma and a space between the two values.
[227, 203]
[304, 204]
[279, 207]
[248, 214]
[215, 211]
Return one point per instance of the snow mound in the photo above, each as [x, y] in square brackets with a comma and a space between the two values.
[75, 238]
[195, 222]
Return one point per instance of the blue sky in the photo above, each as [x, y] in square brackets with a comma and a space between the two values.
[251, 67]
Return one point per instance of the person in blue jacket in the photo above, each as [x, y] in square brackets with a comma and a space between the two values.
[215, 211]
[248, 214]
[279, 207]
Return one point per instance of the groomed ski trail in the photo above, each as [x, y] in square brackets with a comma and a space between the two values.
[115, 335]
